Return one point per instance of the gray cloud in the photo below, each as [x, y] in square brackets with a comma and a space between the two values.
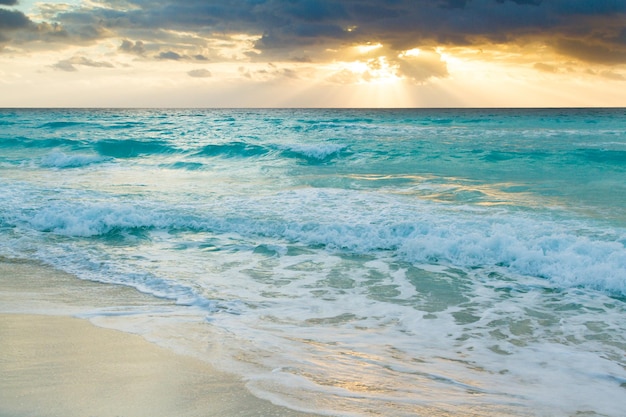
[591, 31]
[131, 47]
[15, 26]
[65, 65]
[8, 2]
[70, 64]
[289, 27]
[175, 56]
[13, 19]
[611, 53]
[199, 73]
[171, 55]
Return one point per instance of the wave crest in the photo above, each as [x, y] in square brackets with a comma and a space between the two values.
[566, 254]
[130, 148]
[233, 150]
[61, 160]
[314, 152]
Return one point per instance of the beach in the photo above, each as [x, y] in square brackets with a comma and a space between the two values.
[53, 364]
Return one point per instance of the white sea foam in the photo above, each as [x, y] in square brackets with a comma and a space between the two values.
[565, 253]
[57, 159]
[314, 151]
[91, 219]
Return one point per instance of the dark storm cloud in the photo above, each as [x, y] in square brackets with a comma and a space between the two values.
[592, 31]
[8, 2]
[15, 26]
[592, 52]
[13, 19]
[288, 25]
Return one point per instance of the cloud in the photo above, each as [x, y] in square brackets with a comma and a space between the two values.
[199, 73]
[131, 47]
[69, 64]
[346, 76]
[171, 55]
[13, 19]
[590, 31]
[421, 67]
[8, 2]
[612, 76]
[301, 59]
[287, 28]
[592, 51]
[44, 34]
[540, 66]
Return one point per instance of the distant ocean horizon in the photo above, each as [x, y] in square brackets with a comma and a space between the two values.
[309, 108]
[352, 261]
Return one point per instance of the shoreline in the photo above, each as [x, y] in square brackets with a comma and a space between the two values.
[55, 364]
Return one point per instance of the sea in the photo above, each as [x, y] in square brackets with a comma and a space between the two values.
[346, 262]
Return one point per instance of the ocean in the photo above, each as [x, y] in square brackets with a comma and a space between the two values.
[349, 262]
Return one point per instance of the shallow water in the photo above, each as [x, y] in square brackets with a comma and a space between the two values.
[355, 262]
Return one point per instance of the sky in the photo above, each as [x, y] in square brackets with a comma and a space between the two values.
[313, 53]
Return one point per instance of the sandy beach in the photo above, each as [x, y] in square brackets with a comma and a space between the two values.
[58, 365]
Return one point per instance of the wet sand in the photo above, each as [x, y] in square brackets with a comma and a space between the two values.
[52, 364]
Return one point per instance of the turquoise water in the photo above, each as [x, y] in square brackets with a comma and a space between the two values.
[355, 262]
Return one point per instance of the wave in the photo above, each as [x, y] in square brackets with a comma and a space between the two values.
[22, 142]
[105, 125]
[567, 254]
[579, 156]
[94, 219]
[499, 156]
[604, 156]
[233, 150]
[314, 152]
[66, 124]
[130, 148]
[125, 125]
[336, 121]
[189, 166]
[61, 160]
[307, 152]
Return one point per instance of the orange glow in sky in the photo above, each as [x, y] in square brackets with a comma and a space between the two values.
[450, 53]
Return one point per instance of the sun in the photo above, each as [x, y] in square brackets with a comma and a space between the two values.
[366, 48]
[364, 64]
[376, 71]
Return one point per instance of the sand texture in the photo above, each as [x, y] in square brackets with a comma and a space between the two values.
[54, 365]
